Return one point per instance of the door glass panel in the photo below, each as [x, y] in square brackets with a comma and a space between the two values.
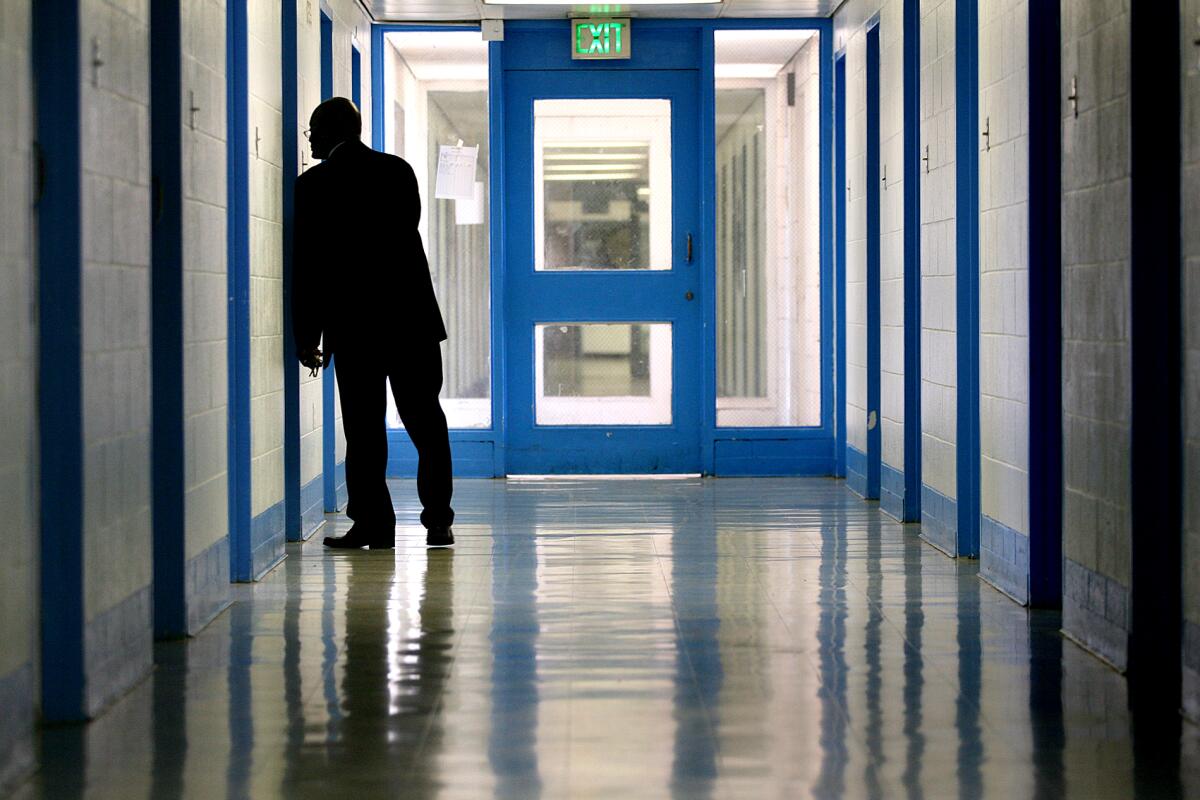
[436, 84]
[602, 184]
[603, 373]
[768, 228]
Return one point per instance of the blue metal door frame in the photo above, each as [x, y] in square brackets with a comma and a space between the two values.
[839, 160]
[874, 431]
[683, 45]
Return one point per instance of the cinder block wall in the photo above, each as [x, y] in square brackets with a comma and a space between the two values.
[1096, 367]
[308, 90]
[18, 402]
[850, 37]
[1190, 10]
[351, 28]
[891, 255]
[205, 306]
[115, 136]
[939, 260]
[1004, 295]
[265, 68]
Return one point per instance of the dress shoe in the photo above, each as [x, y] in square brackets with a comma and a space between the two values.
[439, 537]
[357, 536]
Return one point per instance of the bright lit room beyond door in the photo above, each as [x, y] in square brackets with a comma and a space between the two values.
[637, 276]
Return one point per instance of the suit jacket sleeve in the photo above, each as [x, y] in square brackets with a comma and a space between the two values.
[307, 324]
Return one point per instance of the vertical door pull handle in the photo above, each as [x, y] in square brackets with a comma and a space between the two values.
[689, 248]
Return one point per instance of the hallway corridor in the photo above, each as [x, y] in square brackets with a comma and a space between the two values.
[622, 639]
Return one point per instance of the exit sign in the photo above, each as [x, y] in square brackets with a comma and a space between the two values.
[600, 38]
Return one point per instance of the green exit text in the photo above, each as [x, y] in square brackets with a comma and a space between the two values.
[600, 38]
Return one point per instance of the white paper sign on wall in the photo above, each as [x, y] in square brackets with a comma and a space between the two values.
[456, 172]
[470, 212]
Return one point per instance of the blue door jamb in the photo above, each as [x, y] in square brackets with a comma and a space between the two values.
[238, 261]
[293, 491]
[60, 390]
[912, 261]
[966, 71]
[809, 450]
[356, 77]
[1045, 308]
[477, 452]
[839, 158]
[874, 431]
[166, 321]
[328, 405]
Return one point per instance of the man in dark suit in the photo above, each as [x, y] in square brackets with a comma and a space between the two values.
[361, 283]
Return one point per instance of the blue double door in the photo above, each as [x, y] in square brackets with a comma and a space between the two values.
[602, 298]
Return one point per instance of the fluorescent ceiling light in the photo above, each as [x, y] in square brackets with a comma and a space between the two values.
[593, 156]
[591, 176]
[605, 8]
[591, 167]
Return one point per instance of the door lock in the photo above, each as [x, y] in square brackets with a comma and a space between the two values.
[688, 295]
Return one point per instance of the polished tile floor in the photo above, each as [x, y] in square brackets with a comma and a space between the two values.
[625, 639]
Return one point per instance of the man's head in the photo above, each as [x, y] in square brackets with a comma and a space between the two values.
[333, 122]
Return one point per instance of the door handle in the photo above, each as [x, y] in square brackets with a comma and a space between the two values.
[689, 248]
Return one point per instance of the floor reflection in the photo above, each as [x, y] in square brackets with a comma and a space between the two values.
[690, 639]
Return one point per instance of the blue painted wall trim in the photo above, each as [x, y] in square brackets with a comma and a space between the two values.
[293, 517]
[340, 479]
[1191, 670]
[267, 541]
[891, 491]
[939, 520]
[56, 48]
[119, 649]
[840, 272]
[966, 72]
[312, 506]
[874, 241]
[166, 320]
[206, 577]
[17, 759]
[1096, 613]
[856, 471]
[238, 264]
[911, 498]
[1004, 558]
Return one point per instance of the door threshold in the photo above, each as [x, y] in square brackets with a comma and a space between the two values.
[655, 476]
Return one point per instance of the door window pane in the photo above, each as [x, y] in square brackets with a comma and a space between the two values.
[603, 373]
[437, 87]
[602, 184]
[768, 228]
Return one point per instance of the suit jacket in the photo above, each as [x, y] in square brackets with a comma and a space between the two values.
[360, 276]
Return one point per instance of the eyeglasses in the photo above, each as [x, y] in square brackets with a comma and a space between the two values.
[308, 133]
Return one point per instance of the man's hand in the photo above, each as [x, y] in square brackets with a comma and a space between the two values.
[313, 360]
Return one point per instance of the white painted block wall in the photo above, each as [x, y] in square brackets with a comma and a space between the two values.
[850, 34]
[891, 215]
[205, 288]
[1004, 262]
[266, 256]
[116, 343]
[18, 397]
[1190, 29]
[854, 42]
[1097, 398]
[939, 256]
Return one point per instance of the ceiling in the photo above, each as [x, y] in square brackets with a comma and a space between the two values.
[474, 10]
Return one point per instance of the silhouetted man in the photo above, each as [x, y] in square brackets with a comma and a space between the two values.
[361, 281]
